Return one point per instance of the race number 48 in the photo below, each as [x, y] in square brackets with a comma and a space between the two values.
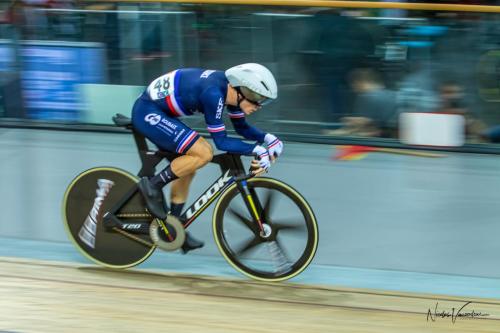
[162, 86]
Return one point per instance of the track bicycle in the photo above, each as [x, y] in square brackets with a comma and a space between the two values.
[263, 227]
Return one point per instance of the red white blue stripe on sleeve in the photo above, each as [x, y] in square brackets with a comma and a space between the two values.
[216, 128]
[236, 115]
[186, 141]
[274, 143]
[264, 154]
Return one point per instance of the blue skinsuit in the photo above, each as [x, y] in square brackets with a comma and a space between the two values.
[182, 93]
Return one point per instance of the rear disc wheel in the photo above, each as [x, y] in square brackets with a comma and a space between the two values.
[87, 198]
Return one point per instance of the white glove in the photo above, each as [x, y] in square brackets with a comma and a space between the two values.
[274, 145]
[262, 156]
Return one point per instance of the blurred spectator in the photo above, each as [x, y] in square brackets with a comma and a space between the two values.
[491, 134]
[374, 111]
[374, 101]
[343, 44]
[417, 91]
[452, 98]
[453, 101]
[64, 24]
[34, 19]
[14, 13]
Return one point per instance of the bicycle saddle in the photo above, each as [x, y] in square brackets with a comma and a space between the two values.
[122, 120]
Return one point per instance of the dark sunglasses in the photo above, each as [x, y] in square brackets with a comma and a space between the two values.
[242, 97]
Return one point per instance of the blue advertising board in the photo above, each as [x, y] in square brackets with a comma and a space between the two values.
[51, 75]
[6, 57]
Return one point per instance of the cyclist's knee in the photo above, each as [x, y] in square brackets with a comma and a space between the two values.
[189, 176]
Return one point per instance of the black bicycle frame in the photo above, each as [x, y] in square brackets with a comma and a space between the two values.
[232, 171]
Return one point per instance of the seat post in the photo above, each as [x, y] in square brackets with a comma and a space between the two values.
[149, 160]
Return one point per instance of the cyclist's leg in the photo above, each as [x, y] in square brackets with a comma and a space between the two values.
[183, 168]
[169, 134]
[179, 189]
[200, 154]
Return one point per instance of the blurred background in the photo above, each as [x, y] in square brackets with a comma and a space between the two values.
[345, 73]
[387, 74]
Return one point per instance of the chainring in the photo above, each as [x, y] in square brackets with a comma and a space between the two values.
[175, 237]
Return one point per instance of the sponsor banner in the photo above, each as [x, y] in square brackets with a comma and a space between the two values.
[52, 73]
[6, 57]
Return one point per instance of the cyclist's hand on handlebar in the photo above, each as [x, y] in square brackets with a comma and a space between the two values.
[262, 157]
[274, 146]
[256, 169]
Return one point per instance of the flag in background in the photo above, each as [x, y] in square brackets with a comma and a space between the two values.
[354, 153]
[351, 153]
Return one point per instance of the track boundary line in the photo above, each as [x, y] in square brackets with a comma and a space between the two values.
[247, 298]
[290, 285]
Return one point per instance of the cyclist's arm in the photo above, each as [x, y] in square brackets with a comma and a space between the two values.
[243, 128]
[213, 104]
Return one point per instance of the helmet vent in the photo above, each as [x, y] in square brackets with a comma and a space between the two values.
[262, 82]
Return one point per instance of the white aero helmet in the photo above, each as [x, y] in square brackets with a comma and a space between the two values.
[255, 82]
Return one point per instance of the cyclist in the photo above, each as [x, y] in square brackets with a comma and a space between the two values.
[244, 89]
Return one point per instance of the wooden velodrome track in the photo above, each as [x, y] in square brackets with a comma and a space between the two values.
[42, 296]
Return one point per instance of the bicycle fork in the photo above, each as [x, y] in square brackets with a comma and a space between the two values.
[254, 206]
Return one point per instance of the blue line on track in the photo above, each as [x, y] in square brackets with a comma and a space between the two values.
[332, 276]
